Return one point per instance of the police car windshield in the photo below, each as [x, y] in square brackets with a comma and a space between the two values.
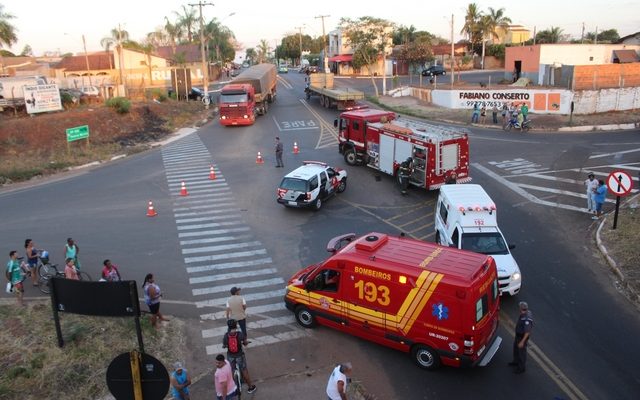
[298, 185]
[489, 243]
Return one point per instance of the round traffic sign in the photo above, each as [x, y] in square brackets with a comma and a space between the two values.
[620, 183]
[153, 376]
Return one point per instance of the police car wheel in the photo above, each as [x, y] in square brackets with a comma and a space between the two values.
[425, 357]
[342, 186]
[304, 317]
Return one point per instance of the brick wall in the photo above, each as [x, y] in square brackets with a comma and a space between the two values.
[593, 77]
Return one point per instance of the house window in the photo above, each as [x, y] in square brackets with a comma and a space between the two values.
[590, 58]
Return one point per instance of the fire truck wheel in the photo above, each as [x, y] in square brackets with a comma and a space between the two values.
[425, 357]
[304, 317]
[266, 107]
[318, 204]
[342, 186]
[437, 237]
[350, 157]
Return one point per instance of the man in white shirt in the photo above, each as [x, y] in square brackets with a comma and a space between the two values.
[591, 184]
[236, 309]
[337, 385]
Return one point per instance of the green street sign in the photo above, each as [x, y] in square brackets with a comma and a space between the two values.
[77, 133]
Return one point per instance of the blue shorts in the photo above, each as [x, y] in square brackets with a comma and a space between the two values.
[599, 206]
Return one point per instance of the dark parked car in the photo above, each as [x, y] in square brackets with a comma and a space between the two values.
[194, 94]
[434, 70]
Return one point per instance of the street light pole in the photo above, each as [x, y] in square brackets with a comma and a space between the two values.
[205, 66]
[86, 58]
[299, 28]
[325, 62]
[452, 52]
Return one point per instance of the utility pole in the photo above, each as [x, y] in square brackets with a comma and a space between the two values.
[534, 35]
[452, 52]
[121, 64]
[595, 40]
[205, 64]
[325, 62]
[582, 34]
[86, 58]
[299, 28]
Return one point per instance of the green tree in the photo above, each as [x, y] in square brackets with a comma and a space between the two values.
[404, 35]
[551, 35]
[27, 51]
[187, 20]
[470, 27]
[116, 40]
[7, 31]
[606, 36]
[369, 37]
[218, 38]
[416, 53]
[488, 24]
[250, 55]
[174, 33]
[263, 51]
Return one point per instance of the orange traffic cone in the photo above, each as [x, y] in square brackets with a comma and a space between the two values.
[212, 174]
[183, 190]
[259, 159]
[295, 148]
[151, 212]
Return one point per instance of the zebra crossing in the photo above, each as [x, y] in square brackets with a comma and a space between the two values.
[220, 251]
[562, 188]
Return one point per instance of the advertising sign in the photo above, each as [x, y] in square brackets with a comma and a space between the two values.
[42, 98]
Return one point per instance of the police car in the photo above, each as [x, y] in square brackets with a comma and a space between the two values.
[311, 184]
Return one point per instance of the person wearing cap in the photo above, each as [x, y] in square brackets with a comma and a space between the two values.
[236, 309]
[523, 331]
[180, 382]
[337, 385]
[591, 184]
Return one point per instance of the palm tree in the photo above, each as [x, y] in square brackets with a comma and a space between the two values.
[217, 35]
[471, 20]
[187, 20]
[7, 31]
[174, 33]
[551, 35]
[263, 50]
[488, 24]
[251, 55]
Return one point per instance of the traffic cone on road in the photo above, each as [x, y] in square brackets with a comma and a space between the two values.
[151, 212]
[295, 148]
[183, 190]
[259, 159]
[212, 174]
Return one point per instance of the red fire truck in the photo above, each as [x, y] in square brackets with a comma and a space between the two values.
[382, 140]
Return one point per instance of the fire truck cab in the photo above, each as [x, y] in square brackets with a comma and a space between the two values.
[381, 140]
[439, 304]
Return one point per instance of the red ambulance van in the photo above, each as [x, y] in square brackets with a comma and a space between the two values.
[437, 303]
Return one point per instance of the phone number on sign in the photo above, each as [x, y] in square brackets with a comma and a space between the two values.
[487, 104]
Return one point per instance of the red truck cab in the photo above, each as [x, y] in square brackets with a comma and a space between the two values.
[237, 104]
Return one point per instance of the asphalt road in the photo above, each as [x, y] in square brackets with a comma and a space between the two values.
[232, 232]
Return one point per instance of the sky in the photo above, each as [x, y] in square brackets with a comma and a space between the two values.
[60, 25]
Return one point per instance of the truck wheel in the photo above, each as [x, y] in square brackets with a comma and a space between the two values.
[265, 107]
[425, 357]
[322, 100]
[350, 157]
[342, 186]
[327, 102]
[318, 204]
[308, 95]
[304, 317]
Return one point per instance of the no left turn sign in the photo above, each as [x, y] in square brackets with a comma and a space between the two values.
[620, 183]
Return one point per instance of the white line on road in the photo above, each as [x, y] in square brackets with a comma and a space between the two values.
[221, 301]
[264, 323]
[213, 225]
[217, 209]
[230, 265]
[209, 218]
[227, 256]
[218, 239]
[614, 153]
[557, 191]
[255, 310]
[245, 285]
[213, 232]
[263, 340]
[231, 275]
[225, 247]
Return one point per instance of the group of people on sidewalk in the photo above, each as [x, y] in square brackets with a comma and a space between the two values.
[517, 113]
[596, 195]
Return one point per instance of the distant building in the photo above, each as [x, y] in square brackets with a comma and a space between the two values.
[633, 39]
[575, 66]
[511, 34]
[341, 56]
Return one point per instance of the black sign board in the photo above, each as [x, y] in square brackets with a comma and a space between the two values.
[106, 299]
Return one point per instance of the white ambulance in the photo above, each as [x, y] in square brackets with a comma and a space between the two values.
[466, 218]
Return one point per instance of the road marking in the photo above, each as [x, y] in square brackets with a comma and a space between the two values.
[557, 191]
[237, 254]
[223, 208]
[220, 302]
[245, 285]
[230, 265]
[263, 340]
[217, 239]
[213, 225]
[614, 153]
[328, 134]
[265, 323]
[209, 218]
[226, 247]
[230, 275]
[213, 232]
[255, 310]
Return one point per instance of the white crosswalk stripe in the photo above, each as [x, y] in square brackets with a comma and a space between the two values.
[220, 252]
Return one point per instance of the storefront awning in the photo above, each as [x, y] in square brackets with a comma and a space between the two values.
[341, 58]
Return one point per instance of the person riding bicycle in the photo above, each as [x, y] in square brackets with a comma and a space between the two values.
[233, 341]
[226, 388]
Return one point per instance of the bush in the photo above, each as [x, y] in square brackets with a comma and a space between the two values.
[156, 94]
[67, 100]
[122, 105]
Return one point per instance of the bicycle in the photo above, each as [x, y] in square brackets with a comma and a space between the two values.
[237, 377]
[43, 281]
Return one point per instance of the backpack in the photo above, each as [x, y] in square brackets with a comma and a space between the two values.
[233, 344]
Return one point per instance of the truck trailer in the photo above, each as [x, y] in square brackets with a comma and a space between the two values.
[321, 85]
[248, 95]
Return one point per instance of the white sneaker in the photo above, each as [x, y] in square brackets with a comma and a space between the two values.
[595, 217]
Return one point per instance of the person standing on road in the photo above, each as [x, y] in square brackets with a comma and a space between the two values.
[236, 309]
[152, 295]
[15, 275]
[476, 113]
[32, 259]
[279, 151]
[337, 385]
[523, 331]
[599, 197]
[71, 250]
[524, 110]
[226, 388]
[591, 184]
[180, 381]
[110, 272]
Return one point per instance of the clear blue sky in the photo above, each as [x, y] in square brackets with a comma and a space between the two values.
[60, 24]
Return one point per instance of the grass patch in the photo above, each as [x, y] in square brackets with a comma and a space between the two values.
[34, 367]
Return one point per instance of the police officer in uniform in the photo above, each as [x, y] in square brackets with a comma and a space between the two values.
[404, 172]
[523, 331]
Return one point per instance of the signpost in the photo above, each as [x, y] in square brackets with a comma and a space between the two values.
[620, 183]
[77, 133]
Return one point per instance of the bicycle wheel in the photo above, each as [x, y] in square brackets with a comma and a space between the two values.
[237, 377]
[84, 276]
[43, 284]
[46, 270]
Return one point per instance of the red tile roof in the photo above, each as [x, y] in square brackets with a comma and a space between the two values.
[98, 61]
[191, 52]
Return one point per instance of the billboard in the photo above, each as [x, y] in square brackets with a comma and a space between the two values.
[42, 98]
